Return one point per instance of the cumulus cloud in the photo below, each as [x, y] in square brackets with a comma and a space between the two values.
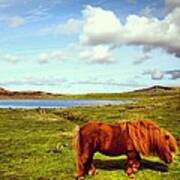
[51, 56]
[97, 55]
[100, 26]
[9, 58]
[104, 27]
[155, 74]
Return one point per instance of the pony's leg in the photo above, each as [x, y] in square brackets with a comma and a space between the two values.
[81, 169]
[136, 163]
[133, 163]
[92, 171]
[84, 164]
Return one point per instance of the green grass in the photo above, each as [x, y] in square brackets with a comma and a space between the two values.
[37, 144]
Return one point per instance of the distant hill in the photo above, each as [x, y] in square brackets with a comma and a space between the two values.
[150, 91]
[156, 88]
[4, 93]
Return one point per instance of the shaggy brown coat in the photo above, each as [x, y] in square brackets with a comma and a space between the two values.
[131, 138]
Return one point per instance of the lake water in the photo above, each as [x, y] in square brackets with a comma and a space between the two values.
[31, 103]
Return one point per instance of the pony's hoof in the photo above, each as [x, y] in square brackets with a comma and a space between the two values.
[132, 176]
[92, 172]
[130, 173]
[78, 177]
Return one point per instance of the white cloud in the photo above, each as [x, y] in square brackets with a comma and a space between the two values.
[104, 27]
[156, 74]
[99, 54]
[15, 21]
[9, 58]
[100, 26]
[52, 56]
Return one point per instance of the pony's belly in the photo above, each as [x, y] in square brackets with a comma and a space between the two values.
[112, 151]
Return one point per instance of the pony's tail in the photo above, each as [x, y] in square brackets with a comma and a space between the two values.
[77, 147]
[76, 139]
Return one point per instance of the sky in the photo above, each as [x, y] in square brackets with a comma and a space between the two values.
[83, 46]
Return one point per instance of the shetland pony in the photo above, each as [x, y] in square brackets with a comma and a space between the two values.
[131, 138]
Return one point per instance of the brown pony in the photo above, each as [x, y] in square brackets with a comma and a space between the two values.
[133, 139]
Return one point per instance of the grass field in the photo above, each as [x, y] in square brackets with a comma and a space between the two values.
[37, 143]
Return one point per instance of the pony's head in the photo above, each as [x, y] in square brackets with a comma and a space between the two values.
[169, 147]
[148, 138]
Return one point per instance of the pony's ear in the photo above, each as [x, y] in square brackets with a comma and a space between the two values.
[166, 136]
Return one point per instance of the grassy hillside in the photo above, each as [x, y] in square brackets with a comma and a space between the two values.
[37, 144]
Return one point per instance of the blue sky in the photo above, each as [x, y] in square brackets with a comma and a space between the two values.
[80, 46]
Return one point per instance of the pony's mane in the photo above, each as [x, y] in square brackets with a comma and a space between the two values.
[148, 138]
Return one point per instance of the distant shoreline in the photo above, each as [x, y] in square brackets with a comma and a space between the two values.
[42, 103]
